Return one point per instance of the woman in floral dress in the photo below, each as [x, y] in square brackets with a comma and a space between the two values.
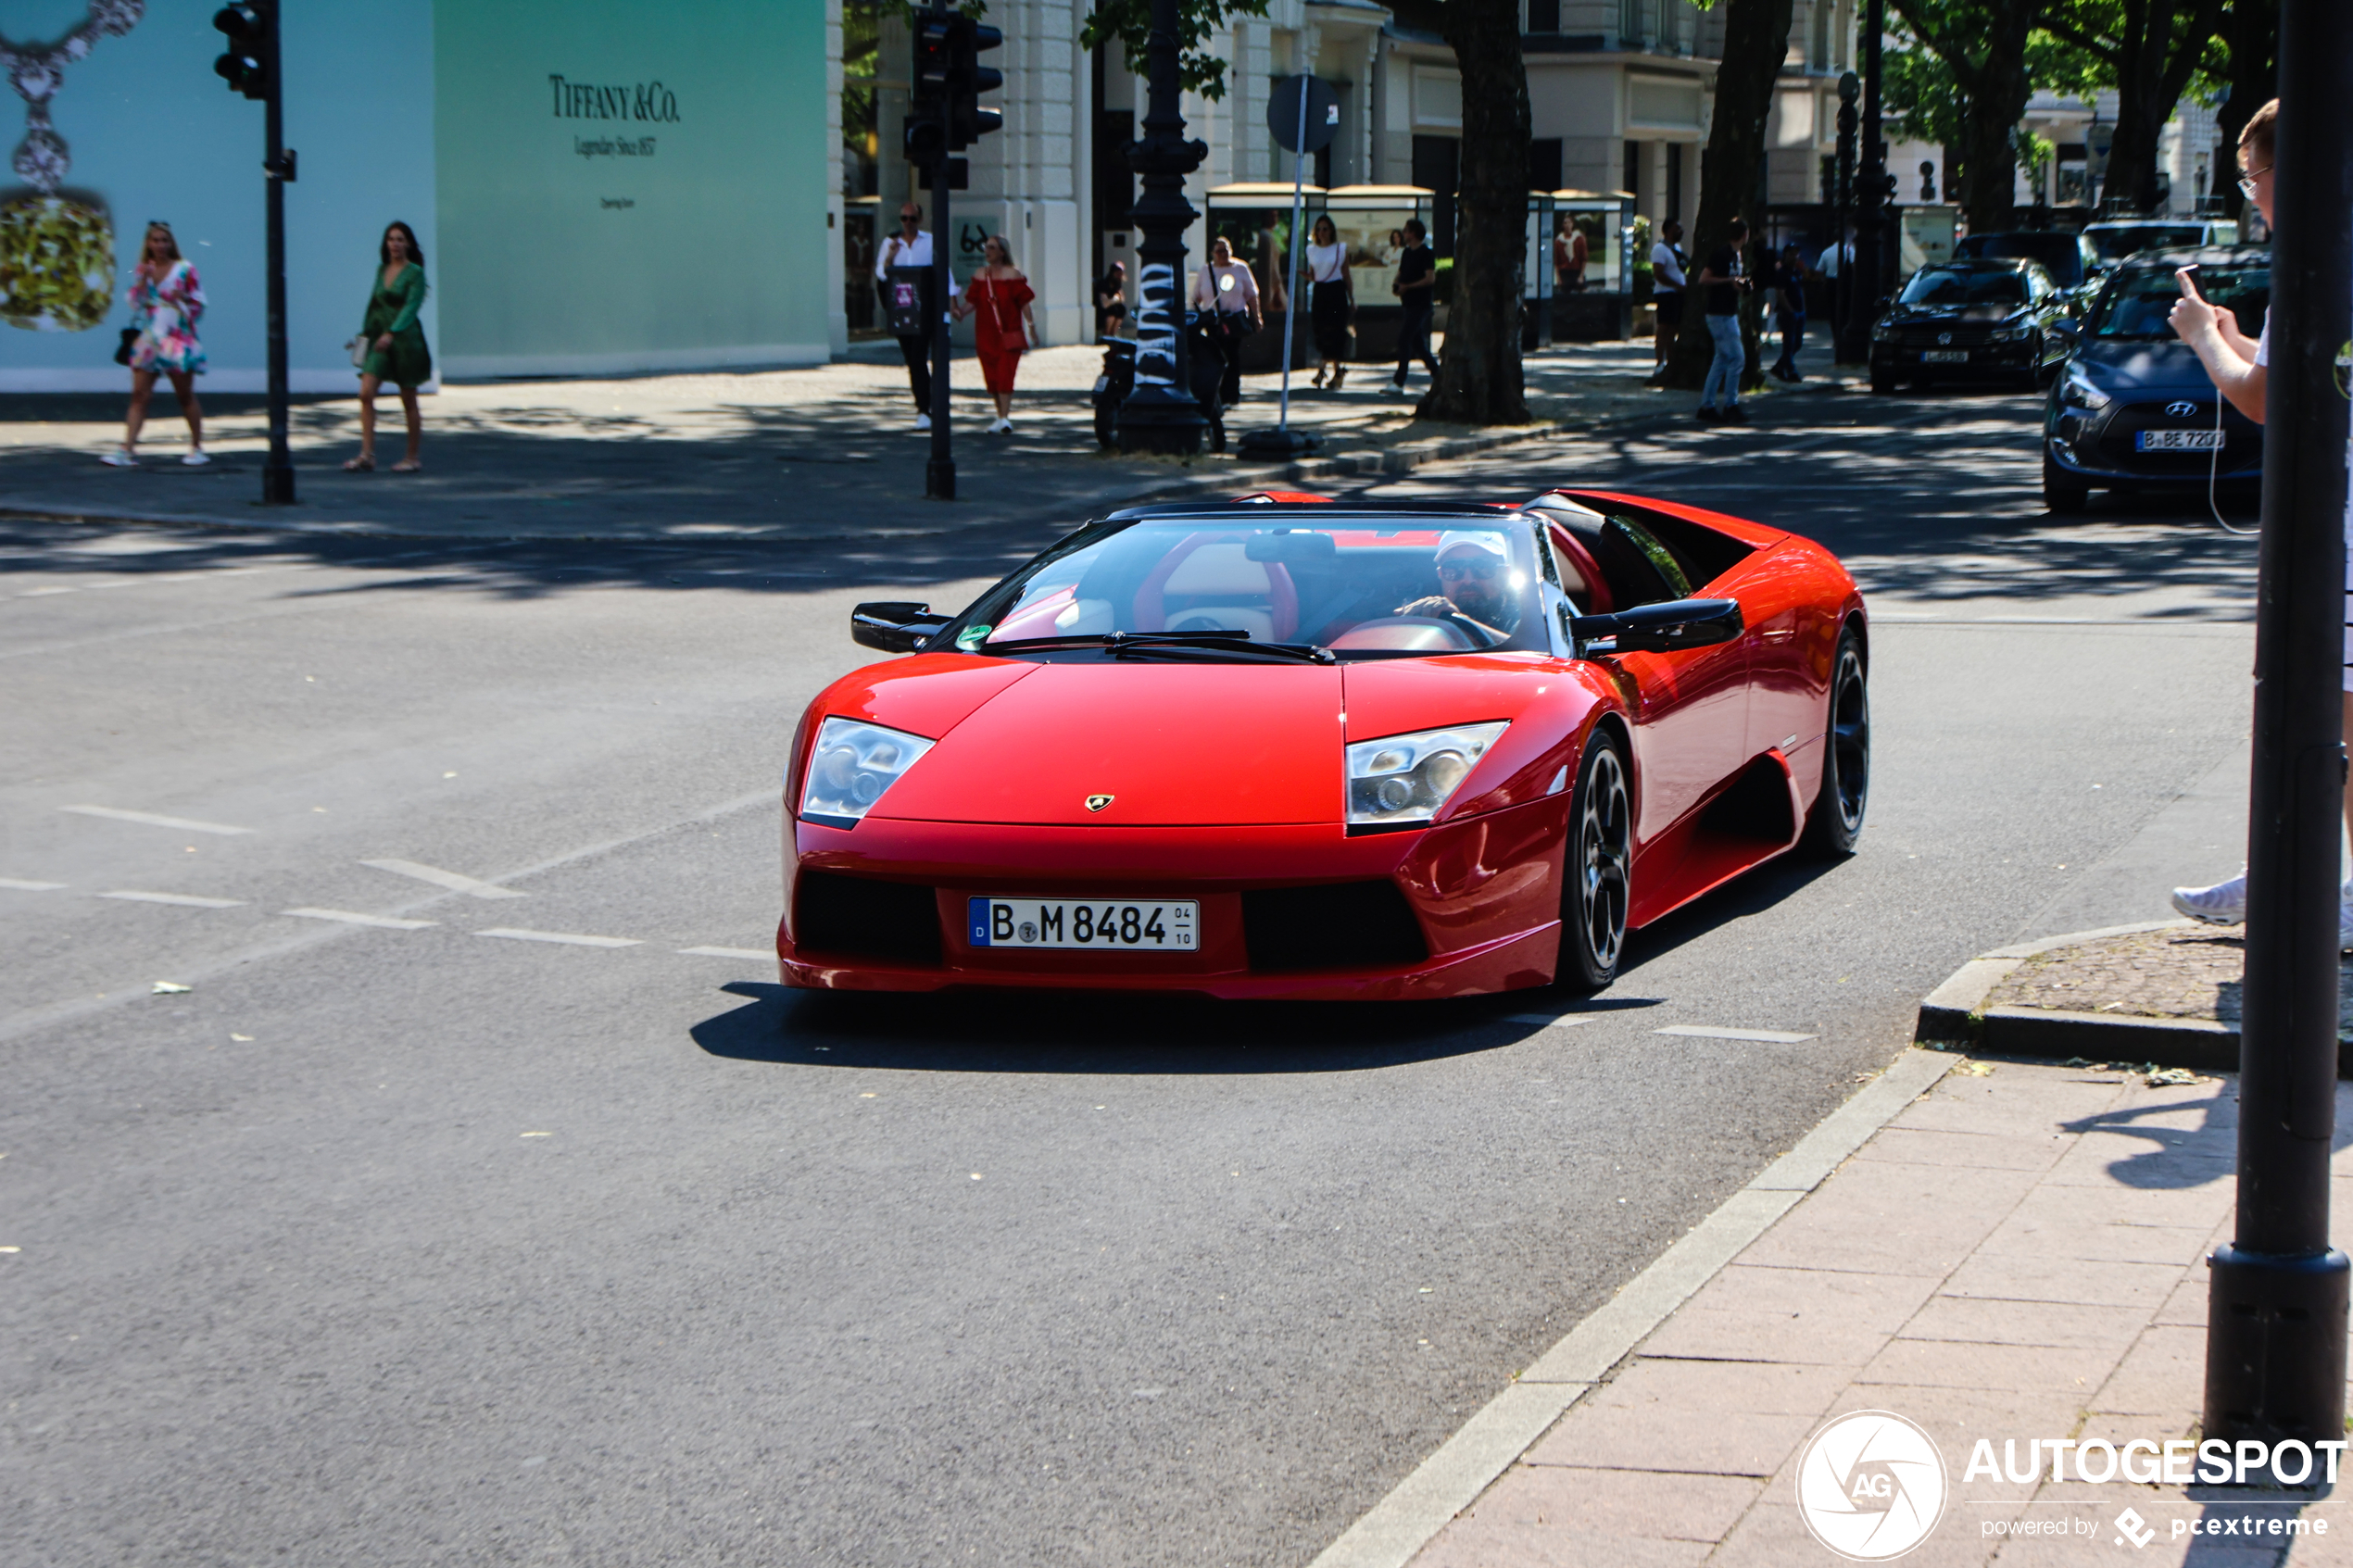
[166, 301]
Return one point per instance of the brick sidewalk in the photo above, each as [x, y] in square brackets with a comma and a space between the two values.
[2017, 1254]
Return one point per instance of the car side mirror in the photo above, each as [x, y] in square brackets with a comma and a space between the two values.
[895, 625]
[2068, 327]
[1660, 628]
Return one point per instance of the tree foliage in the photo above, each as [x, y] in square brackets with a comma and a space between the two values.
[2150, 52]
[1130, 22]
[1982, 47]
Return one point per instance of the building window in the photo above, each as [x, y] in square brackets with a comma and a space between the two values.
[1544, 15]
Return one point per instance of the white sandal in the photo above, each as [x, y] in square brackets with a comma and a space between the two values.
[121, 457]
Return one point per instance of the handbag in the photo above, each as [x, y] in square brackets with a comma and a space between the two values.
[123, 349]
[358, 349]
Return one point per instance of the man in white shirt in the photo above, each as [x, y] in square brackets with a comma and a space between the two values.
[1667, 263]
[1833, 255]
[912, 248]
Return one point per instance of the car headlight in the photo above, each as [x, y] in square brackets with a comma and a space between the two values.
[850, 766]
[2077, 391]
[1399, 780]
[1882, 335]
[2009, 334]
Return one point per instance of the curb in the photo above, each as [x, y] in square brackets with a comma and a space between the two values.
[1954, 1015]
[1390, 462]
[1492, 1441]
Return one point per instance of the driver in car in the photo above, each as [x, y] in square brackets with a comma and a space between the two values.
[1474, 583]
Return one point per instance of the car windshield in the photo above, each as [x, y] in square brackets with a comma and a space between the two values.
[2055, 252]
[2114, 245]
[1951, 285]
[1363, 587]
[2137, 300]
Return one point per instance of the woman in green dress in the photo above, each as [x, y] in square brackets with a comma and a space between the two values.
[395, 344]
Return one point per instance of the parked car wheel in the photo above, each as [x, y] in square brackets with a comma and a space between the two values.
[2062, 491]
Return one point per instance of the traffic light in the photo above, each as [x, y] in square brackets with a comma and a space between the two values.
[926, 133]
[247, 65]
[968, 78]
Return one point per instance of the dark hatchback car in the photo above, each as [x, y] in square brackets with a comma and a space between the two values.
[1974, 321]
[2134, 410]
[2069, 258]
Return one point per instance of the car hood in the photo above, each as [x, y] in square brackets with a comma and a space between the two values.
[1169, 744]
[2157, 367]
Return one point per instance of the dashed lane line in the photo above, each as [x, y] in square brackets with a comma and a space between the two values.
[185, 824]
[1702, 1032]
[349, 918]
[184, 900]
[728, 953]
[453, 881]
[23, 886]
[572, 938]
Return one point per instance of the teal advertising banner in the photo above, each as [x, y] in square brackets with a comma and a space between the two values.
[630, 186]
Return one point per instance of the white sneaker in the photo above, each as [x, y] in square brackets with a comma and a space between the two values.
[2345, 924]
[195, 459]
[1002, 427]
[119, 458]
[2222, 904]
[922, 423]
[1390, 389]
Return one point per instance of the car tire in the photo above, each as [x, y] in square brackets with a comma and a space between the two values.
[1597, 867]
[1835, 824]
[2062, 492]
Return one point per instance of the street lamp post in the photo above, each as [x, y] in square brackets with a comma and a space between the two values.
[1871, 249]
[1160, 414]
[1853, 340]
[2276, 1334]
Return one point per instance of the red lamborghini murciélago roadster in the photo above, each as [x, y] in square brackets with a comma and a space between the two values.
[1287, 747]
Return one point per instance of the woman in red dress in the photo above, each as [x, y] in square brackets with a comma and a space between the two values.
[999, 298]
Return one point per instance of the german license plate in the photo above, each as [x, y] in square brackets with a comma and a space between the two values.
[2177, 440]
[1945, 357]
[1150, 925]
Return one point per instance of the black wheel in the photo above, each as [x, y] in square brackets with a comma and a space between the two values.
[1595, 887]
[1835, 825]
[2062, 491]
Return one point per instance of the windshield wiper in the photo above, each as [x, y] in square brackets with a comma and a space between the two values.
[1167, 644]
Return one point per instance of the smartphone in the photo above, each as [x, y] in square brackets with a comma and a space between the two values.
[2190, 272]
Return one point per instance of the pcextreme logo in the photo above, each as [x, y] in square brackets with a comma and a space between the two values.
[1870, 1486]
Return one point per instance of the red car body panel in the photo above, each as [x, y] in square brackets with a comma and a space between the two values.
[1227, 781]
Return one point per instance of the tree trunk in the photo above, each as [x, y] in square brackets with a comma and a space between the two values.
[2254, 36]
[1479, 378]
[1755, 41]
[1995, 90]
[2153, 63]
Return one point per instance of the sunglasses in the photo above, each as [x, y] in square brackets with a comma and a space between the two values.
[2246, 181]
[1485, 571]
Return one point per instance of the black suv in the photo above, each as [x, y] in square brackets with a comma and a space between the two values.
[2133, 408]
[1979, 319]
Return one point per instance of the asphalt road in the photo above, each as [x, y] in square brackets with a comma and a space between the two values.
[425, 1244]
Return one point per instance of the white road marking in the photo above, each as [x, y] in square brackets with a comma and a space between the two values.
[1699, 1032]
[182, 899]
[44, 593]
[350, 919]
[23, 886]
[1550, 1020]
[185, 824]
[728, 953]
[451, 880]
[574, 938]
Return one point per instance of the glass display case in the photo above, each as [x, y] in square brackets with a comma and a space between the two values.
[1371, 221]
[1599, 306]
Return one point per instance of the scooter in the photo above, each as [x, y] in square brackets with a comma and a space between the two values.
[1118, 379]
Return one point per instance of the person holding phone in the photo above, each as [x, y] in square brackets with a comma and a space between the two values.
[1722, 283]
[2238, 368]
